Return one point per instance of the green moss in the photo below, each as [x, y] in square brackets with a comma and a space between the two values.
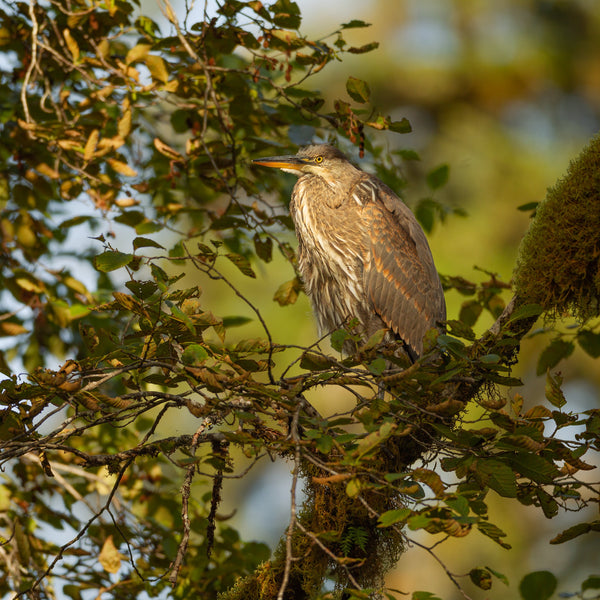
[558, 266]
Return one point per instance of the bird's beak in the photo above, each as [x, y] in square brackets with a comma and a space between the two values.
[281, 162]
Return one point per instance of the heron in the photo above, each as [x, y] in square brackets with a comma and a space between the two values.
[361, 252]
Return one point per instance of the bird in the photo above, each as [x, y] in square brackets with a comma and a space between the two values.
[361, 252]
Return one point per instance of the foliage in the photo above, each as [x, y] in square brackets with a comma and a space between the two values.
[141, 139]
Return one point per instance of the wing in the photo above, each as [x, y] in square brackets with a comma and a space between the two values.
[399, 276]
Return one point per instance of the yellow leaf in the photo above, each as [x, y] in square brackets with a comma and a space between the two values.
[76, 286]
[5, 36]
[121, 167]
[125, 202]
[124, 126]
[103, 48]
[30, 285]
[167, 150]
[157, 67]
[25, 125]
[71, 45]
[137, 52]
[284, 35]
[110, 557]
[171, 86]
[9, 329]
[44, 169]
[109, 144]
[68, 144]
[90, 145]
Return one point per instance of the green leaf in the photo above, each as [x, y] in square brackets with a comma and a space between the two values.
[534, 467]
[425, 213]
[589, 342]
[402, 126]
[353, 487]
[539, 585]
[459, 504]
[375, 339]
[438, 177]
[324, 443]
[469, 312]
[142, 289]
[374, 440]
[553, 354]
[355, 24]
[143, 242]
[242, 263]
[554, 393]
[591, 583]
[452, 345]
[194, 355]
[424, 596]
[315, 362]
[548, 503]
[358, 90]
[111, 260]
[377, 367]
[181, 316]
[498, 476]
[407, 154]
[503, 578]
[263, 248]
[235, 321]
[528, 206]
[482, 578]
[390, 517]
[287, 293]
[363, 49]
[525, 312]
[493, 532]
[575, 531]
[338, 338]
[286, 14]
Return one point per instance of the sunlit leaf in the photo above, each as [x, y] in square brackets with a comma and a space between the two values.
[110, 557]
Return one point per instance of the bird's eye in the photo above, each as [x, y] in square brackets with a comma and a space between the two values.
[319, 159]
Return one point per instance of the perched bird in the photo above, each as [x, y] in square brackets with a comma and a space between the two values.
[361, 251]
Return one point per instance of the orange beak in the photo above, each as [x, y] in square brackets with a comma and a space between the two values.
[281, 162]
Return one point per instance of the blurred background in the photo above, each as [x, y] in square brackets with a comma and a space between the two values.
[506, 93]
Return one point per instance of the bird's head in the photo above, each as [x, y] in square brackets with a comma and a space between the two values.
[321, 160]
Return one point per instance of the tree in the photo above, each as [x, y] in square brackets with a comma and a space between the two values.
[142, 139]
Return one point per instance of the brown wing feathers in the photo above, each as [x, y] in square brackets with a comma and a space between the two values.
[399, 275]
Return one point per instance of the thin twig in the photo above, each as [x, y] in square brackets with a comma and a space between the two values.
[32, 62]
[289, 556]
[185, 497]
